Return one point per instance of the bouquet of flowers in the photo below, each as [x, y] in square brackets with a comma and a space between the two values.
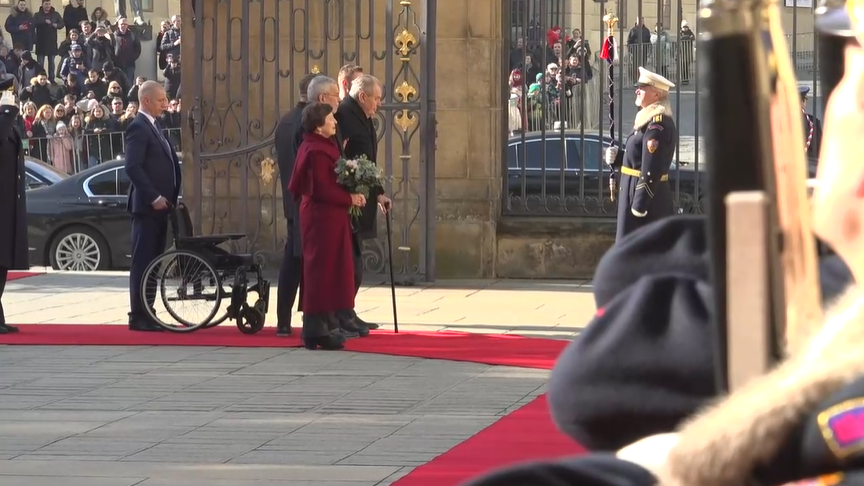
[359, 176]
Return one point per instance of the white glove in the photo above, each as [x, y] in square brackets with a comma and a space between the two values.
[611, 154]
[649, 452]
[638, 214]
[7, 98]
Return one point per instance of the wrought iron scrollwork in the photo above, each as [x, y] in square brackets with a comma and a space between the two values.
[248, 62]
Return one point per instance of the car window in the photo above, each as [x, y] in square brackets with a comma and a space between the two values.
[513, 156]
[33, 182]
[534, 153]
[593, 154]
[574, 153]
[123, 182]
[104, 184]
[45, 172]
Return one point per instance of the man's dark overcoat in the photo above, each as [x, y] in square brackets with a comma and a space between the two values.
[360, 137]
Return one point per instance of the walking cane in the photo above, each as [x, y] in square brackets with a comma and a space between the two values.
[390, 264]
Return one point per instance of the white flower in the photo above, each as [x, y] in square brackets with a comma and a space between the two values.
[352, 164]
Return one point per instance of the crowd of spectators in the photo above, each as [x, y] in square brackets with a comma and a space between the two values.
[557, 82]
[558, 94]
[78, 89]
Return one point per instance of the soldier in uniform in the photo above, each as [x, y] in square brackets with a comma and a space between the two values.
[645, 195]
[812, 129]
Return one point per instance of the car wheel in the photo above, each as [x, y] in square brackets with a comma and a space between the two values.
[79, 249]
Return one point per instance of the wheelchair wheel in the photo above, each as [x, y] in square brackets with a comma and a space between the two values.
[250, 320]
[189, 288]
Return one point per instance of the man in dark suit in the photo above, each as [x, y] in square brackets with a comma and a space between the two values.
[355, 121]
[13, 200]
[154, 170]
[288, 139]
[812, 129]
[347, 74]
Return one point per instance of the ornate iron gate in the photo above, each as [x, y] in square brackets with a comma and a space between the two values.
[249, 56]
[557, 129]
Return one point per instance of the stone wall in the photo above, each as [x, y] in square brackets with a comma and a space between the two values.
[470, 93]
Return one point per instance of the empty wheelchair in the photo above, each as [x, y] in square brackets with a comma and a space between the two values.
[184, 288]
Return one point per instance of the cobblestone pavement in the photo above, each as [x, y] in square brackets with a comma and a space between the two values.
[532, 308]
[188, 416]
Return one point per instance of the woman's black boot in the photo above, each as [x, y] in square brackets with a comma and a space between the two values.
[331, 342]
[317, 334]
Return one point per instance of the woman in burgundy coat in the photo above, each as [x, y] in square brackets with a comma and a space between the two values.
[325, 229]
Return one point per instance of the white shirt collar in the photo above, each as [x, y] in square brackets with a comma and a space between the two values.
[149, 117]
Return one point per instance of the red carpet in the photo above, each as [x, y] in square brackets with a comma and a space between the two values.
[454, 346]
[525, 434]
[19, 275]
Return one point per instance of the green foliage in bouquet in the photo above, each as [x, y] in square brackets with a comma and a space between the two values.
[359, 176]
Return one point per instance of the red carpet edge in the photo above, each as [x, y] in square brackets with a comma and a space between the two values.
[16, 275]
[523, 435]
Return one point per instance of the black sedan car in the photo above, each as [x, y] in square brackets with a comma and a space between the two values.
[80, 223]
[582, 157]
[585, 173]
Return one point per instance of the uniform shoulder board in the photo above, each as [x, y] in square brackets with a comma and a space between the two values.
[658, 119]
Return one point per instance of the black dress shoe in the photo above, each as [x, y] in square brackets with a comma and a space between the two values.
[283, 331]
[368, 325]
[347, 334]
[144, 325]
[350, 326]
[7, 329]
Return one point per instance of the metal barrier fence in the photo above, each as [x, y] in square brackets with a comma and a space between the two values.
[559, 121]
[74, 153]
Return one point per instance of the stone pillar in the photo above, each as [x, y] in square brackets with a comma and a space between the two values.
[469, 92]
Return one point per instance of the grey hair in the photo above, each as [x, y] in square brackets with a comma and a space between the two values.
[365, 83]
[148, 89]
[318, 86]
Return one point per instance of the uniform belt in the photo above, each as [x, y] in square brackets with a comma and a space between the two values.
[638, 173]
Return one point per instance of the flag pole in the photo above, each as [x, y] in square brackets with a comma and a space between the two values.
[609, 54]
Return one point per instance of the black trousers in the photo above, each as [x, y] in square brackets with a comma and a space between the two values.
[148, 243]
[290, 273]
[4, 274]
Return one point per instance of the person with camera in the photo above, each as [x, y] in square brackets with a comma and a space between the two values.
[99, 42]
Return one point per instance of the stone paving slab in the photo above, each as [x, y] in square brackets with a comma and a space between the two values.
[551, 309]
[159, 416]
